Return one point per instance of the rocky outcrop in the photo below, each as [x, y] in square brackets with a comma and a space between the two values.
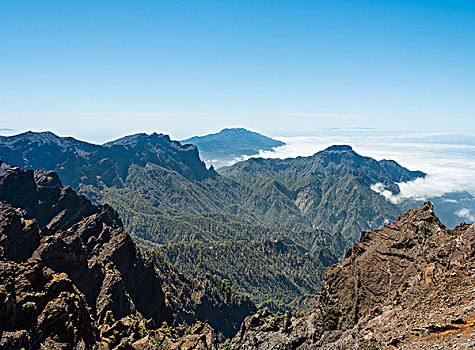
[43, 221]
[410, 284]
[55, 232]
[407, 256]
[19, 237]
[199, 337]
[130, 333]
[39, 308]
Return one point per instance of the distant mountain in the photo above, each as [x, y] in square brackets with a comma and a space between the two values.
[225, 146]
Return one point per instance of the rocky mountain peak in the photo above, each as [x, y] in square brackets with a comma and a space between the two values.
[339, 154]
[134, 139]
[415, 224]
[421, 216]
[48, 179]
[234, 130]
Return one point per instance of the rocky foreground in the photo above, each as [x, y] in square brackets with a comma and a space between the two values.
[409, 285]
[72, 278]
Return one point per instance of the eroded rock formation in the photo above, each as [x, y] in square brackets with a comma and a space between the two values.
[410, 283]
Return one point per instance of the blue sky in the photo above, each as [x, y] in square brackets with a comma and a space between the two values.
[101, 69]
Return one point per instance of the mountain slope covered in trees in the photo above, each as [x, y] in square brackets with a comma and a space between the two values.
[331, 189]
[274, 274]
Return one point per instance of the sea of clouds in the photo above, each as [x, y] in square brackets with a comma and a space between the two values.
[447, 159]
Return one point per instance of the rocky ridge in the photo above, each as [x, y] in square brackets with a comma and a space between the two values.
[407, 285]
[39, 307]
[85, 241]
[52, 231]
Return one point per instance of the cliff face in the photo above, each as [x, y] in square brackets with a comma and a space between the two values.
[65, 255]
[396, 264]
[410, 283]
[84, 241]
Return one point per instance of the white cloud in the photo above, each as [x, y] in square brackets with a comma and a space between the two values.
[450, 201]
[466, 214]
[324, 115]
[381, 189]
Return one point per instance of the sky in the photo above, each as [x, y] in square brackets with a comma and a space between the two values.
[98, 70]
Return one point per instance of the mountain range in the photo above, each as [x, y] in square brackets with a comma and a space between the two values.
[304, 210]
[151, 174]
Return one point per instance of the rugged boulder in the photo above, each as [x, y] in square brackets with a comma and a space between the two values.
[19, 237]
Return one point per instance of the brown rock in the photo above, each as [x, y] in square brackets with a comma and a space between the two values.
[38, 307]
[399, 285]
[85, 241]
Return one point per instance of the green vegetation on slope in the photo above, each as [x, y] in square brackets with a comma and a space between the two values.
[205, 298]
[274, 274]
[330, 189]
